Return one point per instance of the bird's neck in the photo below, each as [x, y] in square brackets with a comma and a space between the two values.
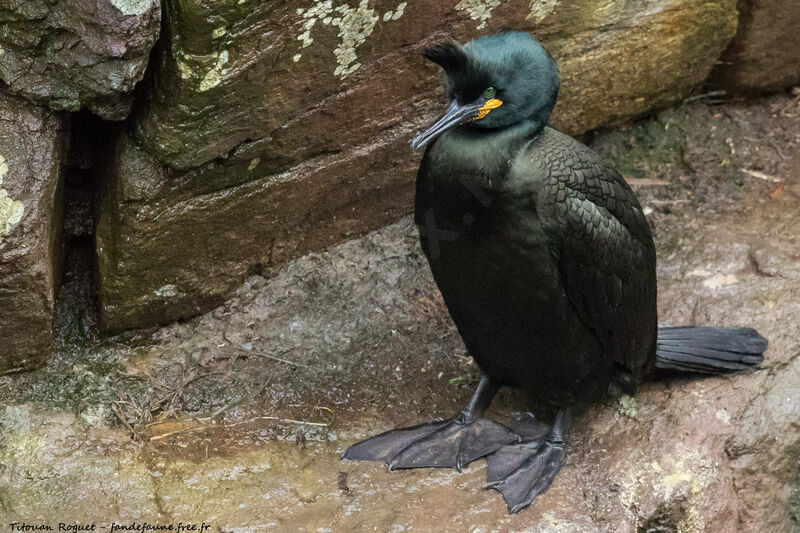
[468, 150]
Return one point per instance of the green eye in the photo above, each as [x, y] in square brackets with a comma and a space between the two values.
[489, 93]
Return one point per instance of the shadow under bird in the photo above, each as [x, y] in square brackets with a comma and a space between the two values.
[547, 266]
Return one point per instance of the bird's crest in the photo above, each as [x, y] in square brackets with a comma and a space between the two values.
[463, 73]
[448, 54]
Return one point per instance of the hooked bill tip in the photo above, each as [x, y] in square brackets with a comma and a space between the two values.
[416, 142]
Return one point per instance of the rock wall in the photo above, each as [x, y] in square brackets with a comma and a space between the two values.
[270, 130]
[69, 54]
[267, 129]
[31, 149]
[765, 55]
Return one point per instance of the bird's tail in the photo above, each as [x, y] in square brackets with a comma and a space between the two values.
[709, 350]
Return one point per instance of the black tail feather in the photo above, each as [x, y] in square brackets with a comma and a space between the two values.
[709, 350]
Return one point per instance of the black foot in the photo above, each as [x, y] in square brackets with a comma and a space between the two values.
[508, 458]
[447, 444]
[522, 471]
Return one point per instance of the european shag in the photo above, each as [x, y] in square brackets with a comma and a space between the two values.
[546, 263]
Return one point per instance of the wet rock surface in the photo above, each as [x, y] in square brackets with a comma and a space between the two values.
[70, 54]
[31, 147]
[269, 130]
[763, 56]
[238, 417]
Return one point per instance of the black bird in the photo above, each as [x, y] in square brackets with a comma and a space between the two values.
[546, 264]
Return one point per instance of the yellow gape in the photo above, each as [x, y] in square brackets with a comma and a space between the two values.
[488, 106]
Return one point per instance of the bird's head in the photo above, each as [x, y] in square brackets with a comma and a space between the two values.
[493, 82]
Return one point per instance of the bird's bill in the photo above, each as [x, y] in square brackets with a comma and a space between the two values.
[454, 115]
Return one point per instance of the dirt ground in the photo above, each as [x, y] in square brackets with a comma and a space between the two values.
[237, 418]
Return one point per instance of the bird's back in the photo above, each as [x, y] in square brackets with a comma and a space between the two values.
[543, 257]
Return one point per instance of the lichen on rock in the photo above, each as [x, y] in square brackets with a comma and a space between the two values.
[134, 7]
[213, 77]
[396, 13]
[11, 210]
[541, 8]
[627, 406]
[480, 10]
[355, 24]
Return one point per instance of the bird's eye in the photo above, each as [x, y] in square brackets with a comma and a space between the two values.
[489, 93]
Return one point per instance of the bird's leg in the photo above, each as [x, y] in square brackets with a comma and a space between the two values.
[450, 443]
[522, 471]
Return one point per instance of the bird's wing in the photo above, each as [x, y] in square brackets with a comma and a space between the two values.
[602, 243]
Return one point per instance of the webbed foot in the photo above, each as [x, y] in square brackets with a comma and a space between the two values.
[508, 458]
[448, 444]
[522, 471]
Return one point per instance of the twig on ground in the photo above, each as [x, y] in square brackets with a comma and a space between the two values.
[264, 355]
[331, 411]
[203, 418]
[121, 417]
[761, 175]
[793, 102]
[656, 201]
[644, 182]
[275, 418]
[704, 95]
